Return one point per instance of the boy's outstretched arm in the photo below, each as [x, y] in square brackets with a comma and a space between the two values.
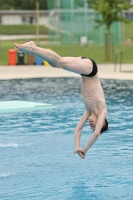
[78, 131]
[97, 131]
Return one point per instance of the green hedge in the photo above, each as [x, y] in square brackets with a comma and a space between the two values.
[22, 30]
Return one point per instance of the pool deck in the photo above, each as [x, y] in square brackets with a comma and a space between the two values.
[106, 71]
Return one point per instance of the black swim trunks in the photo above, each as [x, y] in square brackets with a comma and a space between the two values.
[94, 70]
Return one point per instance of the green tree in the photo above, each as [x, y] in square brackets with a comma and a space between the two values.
[22, 4]
[110, 10]
[6, 5]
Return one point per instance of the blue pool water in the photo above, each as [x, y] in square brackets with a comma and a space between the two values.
[36, 147]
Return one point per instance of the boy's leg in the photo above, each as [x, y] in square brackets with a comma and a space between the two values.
[73, 64]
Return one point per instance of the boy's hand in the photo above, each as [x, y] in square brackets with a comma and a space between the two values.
[76, 150]
[80, 152]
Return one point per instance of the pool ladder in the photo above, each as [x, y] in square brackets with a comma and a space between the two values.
[118, 52]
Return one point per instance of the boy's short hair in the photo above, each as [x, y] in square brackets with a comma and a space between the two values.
[105, 127]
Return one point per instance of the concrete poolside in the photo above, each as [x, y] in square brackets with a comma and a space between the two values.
[106, 71]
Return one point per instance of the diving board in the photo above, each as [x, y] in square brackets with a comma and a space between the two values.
[17, 106]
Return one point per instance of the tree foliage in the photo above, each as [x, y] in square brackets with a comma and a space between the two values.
[110, 10]
[22, 4]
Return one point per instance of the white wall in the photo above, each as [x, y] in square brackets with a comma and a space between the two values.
[11, 19]
[43, 20]
[17, 19]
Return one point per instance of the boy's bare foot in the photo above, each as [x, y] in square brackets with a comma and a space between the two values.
[81, 154]
[27, 47]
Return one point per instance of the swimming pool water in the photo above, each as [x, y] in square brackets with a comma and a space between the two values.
[36, 147]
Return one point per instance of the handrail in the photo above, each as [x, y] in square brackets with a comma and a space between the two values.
[116, 56]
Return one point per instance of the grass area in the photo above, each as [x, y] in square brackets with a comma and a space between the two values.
[22, 30]
[96, 52]
[128, 30]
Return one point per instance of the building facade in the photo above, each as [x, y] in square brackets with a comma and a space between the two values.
[17, 17]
